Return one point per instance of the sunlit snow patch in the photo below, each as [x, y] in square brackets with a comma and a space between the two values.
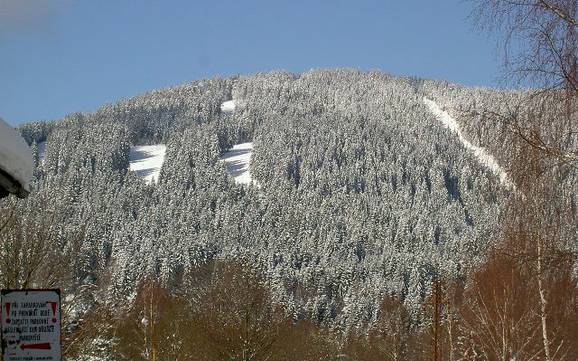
[237, 162]
[228, 106]
[146, 161]
[484, 158]
[40, 150]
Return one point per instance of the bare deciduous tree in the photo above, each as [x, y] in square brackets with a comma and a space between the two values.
[540, 43]
[392, 338]
[240, 321]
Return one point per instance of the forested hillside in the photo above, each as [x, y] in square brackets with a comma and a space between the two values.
[360, 193]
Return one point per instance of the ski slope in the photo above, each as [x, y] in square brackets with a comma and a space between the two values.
[146, 161]
[228, 106]
[40, 150]
[238, 161]
[486, 159]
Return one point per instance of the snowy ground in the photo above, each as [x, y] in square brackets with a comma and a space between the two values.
[237, 162]
[146, 161]
[40, 149]
[484, 157]
[228, 106]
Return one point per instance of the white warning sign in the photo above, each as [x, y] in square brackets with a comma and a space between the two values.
[30, 325]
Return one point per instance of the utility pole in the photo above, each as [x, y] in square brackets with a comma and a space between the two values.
[436, 303]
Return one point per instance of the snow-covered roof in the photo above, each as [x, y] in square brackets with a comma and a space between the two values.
[16, 162]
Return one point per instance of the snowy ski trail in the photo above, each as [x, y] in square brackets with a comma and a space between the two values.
[484, 157]
[238, 161]
[228, 106]
[40, 150]
[146, 161]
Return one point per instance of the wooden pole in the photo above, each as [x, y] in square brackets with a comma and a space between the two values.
[436, 320]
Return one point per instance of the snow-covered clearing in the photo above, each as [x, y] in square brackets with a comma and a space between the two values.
[15, 156]
[40, 150]
[146, 161]
[228, 106]
[484, 157]
[238, 161]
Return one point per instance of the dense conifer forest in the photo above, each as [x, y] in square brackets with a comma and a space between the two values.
[364, 209]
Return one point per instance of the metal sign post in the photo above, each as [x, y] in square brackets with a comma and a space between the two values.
[30, 326]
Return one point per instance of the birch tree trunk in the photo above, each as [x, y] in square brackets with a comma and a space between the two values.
[543, 300]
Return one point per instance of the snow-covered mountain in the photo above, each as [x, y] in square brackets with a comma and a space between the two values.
[341, 184]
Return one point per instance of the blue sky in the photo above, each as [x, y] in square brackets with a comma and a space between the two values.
[61, 56]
